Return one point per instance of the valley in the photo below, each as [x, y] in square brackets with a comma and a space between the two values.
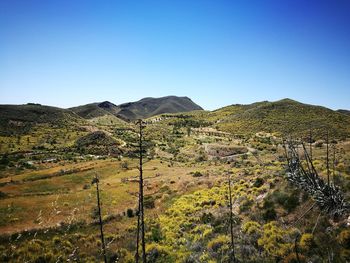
[49, 157]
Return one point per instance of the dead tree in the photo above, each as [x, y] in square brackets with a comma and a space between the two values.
[310, 143]
[137, 256]
[232, 254]
[96, 181]
[327, 157]
[140, 216]
[333, 162]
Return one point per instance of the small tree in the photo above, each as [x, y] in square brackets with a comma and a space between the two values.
[188, 131]
[124, 165]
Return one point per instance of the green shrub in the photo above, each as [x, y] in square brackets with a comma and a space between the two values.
[288, 201]
[291, 202]
[47, 257]
[130, 212]
[344, 239]
[56, 240]
[306, 241]
[197, 174]
[124, 165]
[2, 195]
[206, 218]
[268, 204]
[218, 243]
[245, 205]
[123, 255]
[274, 240]
[293, 258]
[202, 156]
[94, 213]
[156, 234]
[251, 227]
[270, 214]
[158, 253]
[258, 182]
[148, 202]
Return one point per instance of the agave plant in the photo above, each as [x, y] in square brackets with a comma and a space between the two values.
[303, 175]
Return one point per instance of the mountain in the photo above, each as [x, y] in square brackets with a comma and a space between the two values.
[149, 107]
[19, 119]
[286, 117]
[144, 108]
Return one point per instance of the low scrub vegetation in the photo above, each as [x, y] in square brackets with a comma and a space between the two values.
[48, 207]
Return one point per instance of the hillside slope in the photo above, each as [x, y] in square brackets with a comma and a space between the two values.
[18, 119]
[94, 110]
[98, 143]
[347, 112]
[285, 117]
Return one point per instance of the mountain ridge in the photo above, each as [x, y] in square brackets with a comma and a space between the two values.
[143, 108]
[283, 116]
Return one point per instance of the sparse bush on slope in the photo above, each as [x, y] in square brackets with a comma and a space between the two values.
[98, 143]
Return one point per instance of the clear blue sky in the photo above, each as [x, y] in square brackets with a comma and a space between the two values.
[71, 52]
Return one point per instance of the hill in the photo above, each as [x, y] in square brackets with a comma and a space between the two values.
[144, 108]
[108, 120]
[94, 110]
[197, 181]
[347, 112]
[19, 119]
[284, 116]
[97, 143]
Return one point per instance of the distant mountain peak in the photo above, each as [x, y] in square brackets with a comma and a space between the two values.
[106, 105]
[287, 100]
[141, 109]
